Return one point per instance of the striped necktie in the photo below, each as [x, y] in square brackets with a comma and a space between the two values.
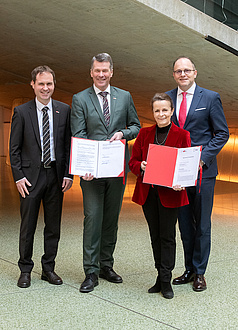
[46, 137]
[106, 112]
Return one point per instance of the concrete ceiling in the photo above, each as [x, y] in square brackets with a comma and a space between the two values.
[142, 42]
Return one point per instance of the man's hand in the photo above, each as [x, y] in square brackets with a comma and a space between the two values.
[87, 177]
[67, 184]
[22, 187]
[202, 163]
[117, 136]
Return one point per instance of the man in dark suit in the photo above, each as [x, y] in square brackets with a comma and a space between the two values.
[39, 155]
[102, 116]
[199, 111]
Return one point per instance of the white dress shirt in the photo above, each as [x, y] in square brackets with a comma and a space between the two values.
[100, 98]
[189, 97]
[39, 107]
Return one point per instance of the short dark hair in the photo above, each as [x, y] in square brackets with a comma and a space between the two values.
[40, 69]
[102, 57]
[188, 58]
[161, 97]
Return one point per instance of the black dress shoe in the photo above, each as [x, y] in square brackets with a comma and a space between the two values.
[91, 280]
[166, 290]
[51, 277]
[187, 277]
[24, 280]
[110, 275]
[157, 287]
[199, 283]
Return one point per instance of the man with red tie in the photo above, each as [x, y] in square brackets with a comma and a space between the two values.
[200, 112]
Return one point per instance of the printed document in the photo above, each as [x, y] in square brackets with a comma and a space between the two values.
[103, 159]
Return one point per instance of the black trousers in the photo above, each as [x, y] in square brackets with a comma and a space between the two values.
[48, 191]
[161, 221]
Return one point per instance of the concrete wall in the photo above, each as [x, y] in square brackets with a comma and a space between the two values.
[195, 20]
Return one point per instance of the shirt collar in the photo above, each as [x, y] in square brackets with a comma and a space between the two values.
[97, 90]
[40, 106]
[189, 91]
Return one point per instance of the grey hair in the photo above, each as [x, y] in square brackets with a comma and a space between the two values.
[102, 57]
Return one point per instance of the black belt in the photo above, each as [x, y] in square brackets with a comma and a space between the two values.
[52, 164]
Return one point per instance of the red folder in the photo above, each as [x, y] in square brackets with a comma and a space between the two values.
[166, 168]
[160, 166]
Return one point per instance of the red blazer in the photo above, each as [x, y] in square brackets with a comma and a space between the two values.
[178, 138]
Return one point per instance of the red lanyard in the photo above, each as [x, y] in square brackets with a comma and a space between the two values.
[200, 179]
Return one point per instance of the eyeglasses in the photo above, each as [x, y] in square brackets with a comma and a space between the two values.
[186, 71]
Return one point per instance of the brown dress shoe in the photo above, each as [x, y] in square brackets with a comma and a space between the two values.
[187, 277]
[199, 283]
[24, 280]
[51, 277]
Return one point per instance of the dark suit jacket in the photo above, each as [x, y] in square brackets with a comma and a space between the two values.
[207, 126]
[87, 120]
[25, 145]
[178, 138]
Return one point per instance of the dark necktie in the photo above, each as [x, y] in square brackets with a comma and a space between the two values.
[46, 137]
[183, 110]
[106, 112]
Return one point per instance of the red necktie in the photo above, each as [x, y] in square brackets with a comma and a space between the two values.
[183, 110]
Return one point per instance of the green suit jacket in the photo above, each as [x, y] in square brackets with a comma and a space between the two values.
[87, 120]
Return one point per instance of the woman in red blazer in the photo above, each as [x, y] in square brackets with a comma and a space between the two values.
[160, 204]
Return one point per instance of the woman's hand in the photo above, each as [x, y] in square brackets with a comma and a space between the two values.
[178, 188]
[143, 165]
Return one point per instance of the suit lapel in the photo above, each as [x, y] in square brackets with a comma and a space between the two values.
[113, 104]
[173, 96]
[34, 119]
[150, 136]
[56, 114]
[196, 99]
[96, 104]
[172, 137]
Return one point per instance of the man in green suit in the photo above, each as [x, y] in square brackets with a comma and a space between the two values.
[110, 115]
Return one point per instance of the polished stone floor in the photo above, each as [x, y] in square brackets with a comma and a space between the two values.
[116, 306]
